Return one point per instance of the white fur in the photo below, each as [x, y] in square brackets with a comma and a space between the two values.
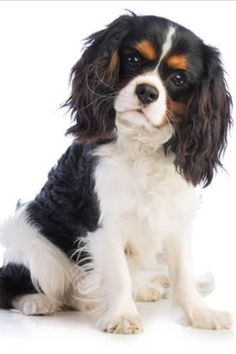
[167, 44]
[50, 269]
[148, 207]
[36, 304]
[128, 102]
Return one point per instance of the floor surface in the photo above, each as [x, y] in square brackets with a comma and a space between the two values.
[73, 331]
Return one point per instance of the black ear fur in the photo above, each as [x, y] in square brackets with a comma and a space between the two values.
[201, 137]
[94, 83]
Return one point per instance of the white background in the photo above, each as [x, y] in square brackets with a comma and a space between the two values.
[40, 41]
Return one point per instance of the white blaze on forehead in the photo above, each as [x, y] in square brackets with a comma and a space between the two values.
[167, 44]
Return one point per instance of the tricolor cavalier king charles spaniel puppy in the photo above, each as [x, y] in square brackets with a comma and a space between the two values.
[112, 225]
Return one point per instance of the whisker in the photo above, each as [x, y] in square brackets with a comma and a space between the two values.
[171, 117]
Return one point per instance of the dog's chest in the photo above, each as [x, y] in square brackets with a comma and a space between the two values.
[145, 192]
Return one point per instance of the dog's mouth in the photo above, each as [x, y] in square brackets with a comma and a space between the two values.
[137, 115]
[143, 114]
[133, 111]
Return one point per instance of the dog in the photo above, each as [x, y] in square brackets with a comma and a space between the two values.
[112, 225]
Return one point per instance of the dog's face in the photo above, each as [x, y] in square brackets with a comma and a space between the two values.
[151, 72]
[160, 64]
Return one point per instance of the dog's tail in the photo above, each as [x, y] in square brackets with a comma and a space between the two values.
[15, 280]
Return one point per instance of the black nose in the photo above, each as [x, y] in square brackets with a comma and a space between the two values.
[146, 93]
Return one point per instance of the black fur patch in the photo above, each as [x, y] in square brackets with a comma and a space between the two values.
[14, 280]
[67, 206]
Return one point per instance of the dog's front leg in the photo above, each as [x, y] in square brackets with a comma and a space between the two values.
[184, 289]
[121, 315]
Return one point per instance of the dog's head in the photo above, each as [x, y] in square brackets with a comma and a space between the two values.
[150, 71]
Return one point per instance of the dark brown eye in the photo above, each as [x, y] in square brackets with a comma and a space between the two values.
[179, 79]
[133, 59]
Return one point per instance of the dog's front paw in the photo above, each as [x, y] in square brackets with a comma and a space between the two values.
[209, 319]
[122, 324]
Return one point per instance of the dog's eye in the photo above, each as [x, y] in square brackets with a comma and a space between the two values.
[179, 79]
[133, 59]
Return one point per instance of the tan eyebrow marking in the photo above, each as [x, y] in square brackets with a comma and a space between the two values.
[147, 50]
[113, 62]
[177, 62]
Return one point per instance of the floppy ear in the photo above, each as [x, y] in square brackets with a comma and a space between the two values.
[95, 80]
[202, 135]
